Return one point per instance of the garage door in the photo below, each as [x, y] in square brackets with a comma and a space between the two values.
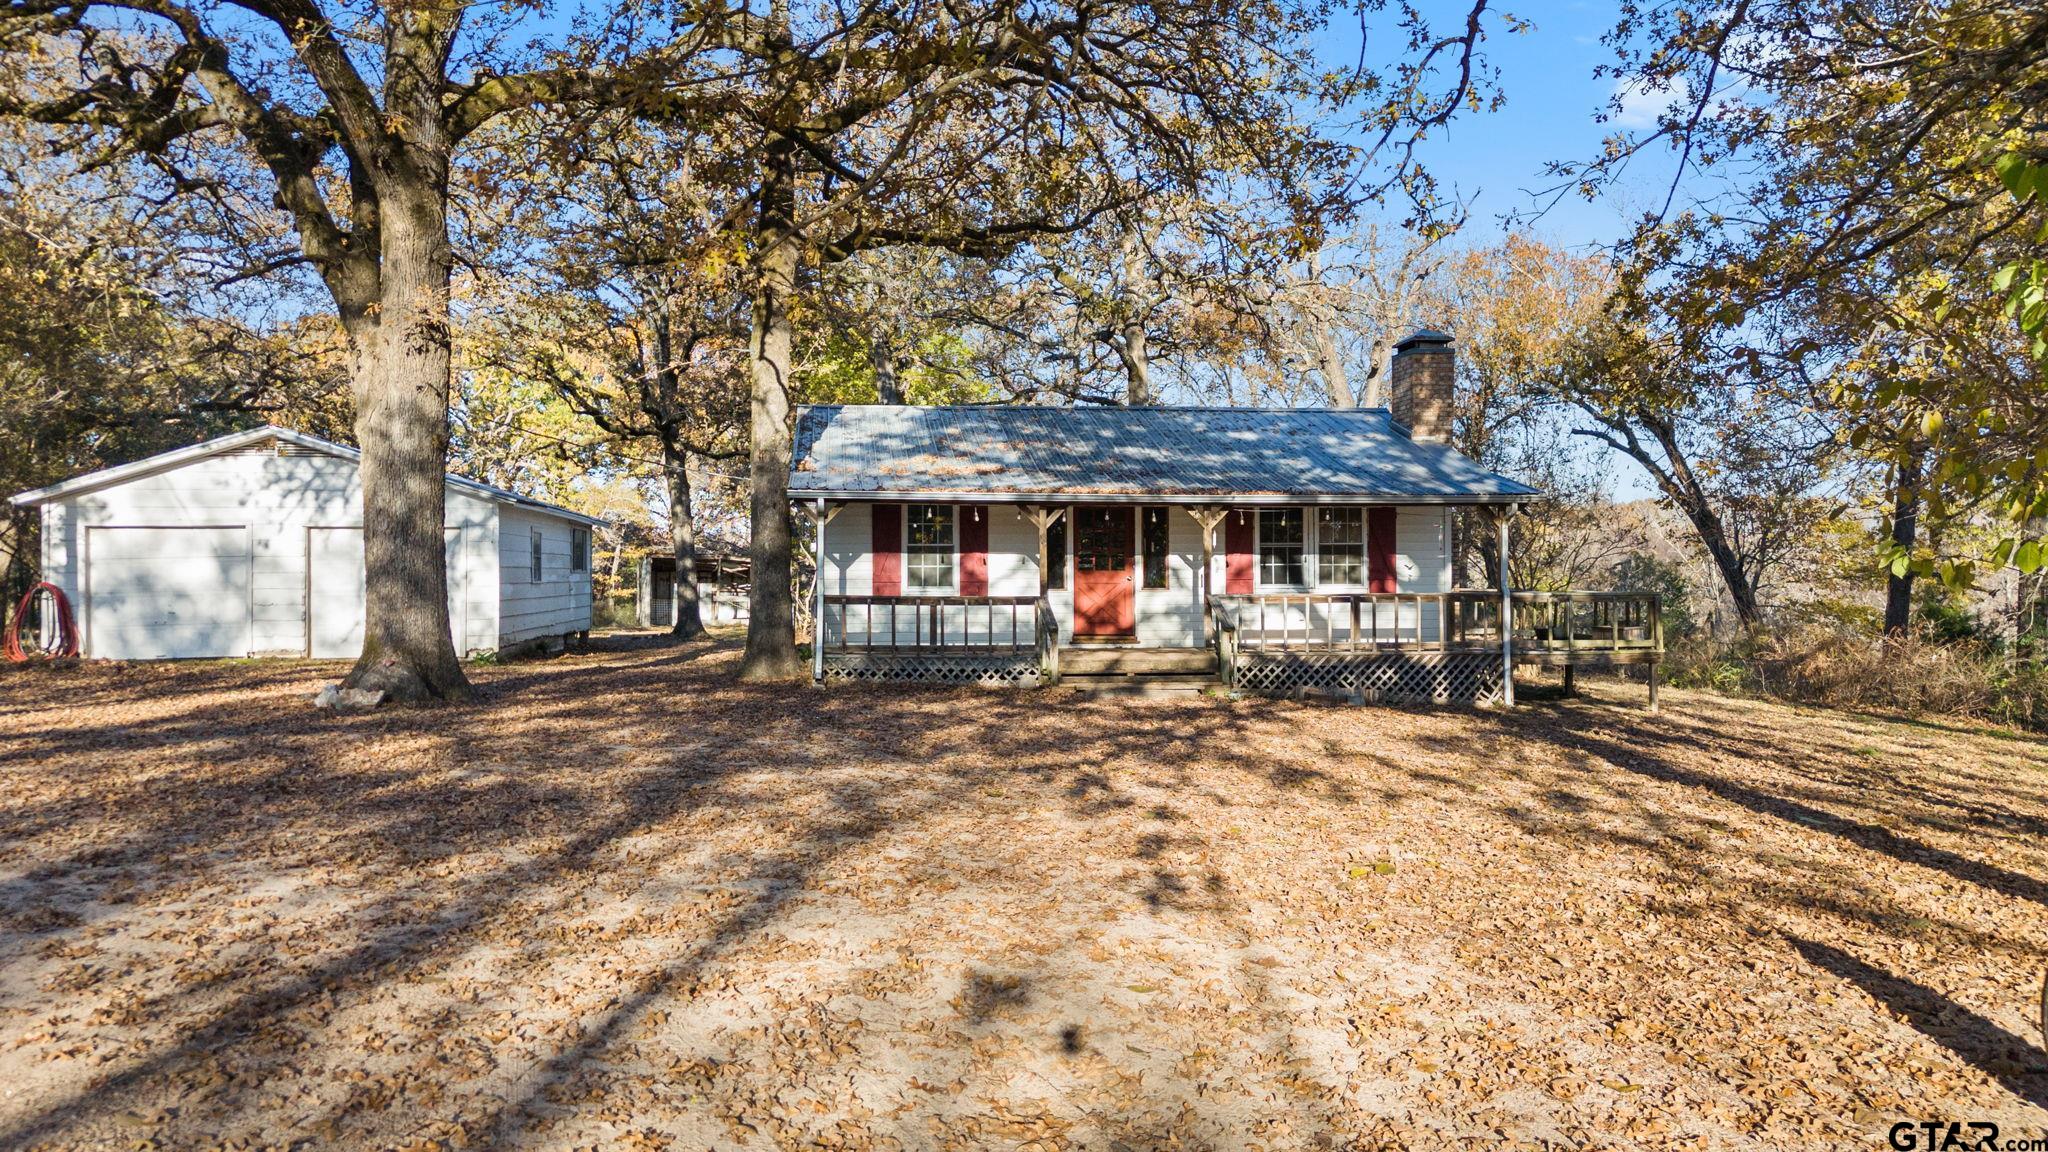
[334, 564]
[156, 593]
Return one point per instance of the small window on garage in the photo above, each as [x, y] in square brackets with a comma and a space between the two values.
[579, 550]
[533, 559]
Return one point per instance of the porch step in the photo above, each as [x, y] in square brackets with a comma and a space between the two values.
[1197, 662]
[1119, 684]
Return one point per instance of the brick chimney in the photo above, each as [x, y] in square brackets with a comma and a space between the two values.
[1421, 385]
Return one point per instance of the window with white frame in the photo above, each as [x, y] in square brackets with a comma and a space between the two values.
[533, 557]
[928, 547]
[1283, 547]
[1340, 546]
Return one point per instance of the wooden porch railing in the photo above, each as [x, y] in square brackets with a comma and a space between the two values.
[922, 623]
[1467, 620]
[1612, 623]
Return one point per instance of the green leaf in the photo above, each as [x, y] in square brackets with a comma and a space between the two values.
[2012, 172]
[2027, 557]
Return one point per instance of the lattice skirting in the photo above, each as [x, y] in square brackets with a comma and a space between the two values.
[1419, 677]
[994, 669]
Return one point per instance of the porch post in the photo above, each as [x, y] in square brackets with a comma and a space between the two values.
[818, 594]
[1507, 618]
[1208, 518]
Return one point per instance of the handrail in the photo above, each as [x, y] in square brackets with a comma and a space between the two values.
[1462, 620]
[928, 623]
[1224, 629]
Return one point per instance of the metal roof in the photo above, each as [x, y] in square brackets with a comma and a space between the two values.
[164, 462]
[1010, 453]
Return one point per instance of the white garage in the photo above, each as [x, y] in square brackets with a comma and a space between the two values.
[252, 545]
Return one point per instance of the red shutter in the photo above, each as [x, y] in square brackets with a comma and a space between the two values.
[973, 550]
[887, 550]
[1240, 539]
[1379, 549]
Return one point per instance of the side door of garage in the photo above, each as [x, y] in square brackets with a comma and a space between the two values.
[334, 591]
[167, 593]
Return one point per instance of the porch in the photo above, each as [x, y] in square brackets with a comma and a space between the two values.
[1447, 647]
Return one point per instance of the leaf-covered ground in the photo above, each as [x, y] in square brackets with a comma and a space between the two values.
[627, 903]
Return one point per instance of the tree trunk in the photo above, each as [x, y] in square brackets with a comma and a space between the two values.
[1898, 591]
[10, 533]
[882, 357]
[771, 626]
[675, 464]
[1137, 363]
[1336, 382]
[1132, 346]
[1676, 479]
[1690, 495]
[1378, 376]
[1329, 360]
[399, 369]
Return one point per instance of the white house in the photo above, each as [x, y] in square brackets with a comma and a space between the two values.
[1273, 550]
[252, 545]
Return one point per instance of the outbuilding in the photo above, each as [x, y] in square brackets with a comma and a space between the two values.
[252, 545]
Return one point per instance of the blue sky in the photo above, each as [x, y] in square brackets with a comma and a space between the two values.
[1553, 109]
[1553, 101]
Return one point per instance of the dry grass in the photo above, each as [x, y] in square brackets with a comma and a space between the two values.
[626, 903]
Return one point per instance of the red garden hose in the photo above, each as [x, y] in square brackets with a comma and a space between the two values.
[65, 643]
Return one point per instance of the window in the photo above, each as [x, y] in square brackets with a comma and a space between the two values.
[534, 556]
[1340, 545]
[929, 550]
[1102, 540]
[579, 550]
[1056, 553]
[1155, 547]
[1281, 547]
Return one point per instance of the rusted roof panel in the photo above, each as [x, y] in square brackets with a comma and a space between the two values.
[1017, 452]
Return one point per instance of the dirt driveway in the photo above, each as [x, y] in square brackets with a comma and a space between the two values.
[626, 903]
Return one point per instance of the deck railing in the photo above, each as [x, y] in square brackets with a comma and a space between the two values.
[1467, 620]
[1618, 623]
[1358, 621]
[926, 623]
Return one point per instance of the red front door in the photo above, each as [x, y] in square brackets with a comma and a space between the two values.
[1105, 590]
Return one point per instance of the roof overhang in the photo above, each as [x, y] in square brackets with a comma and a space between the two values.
[1241, 499]
[179, 457]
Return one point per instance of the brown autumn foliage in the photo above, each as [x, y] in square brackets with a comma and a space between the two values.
[624, 901]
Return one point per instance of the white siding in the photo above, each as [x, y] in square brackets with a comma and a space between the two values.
[1422, 564]
[167, 592]
[1167, 617]
[1170, 617]
[1422, 553]
[1012, 571]
[1012, 553]
[560, 603]
[278, 498]
[849, 552]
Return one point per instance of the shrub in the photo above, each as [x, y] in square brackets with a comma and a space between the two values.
[618, 610]
[1839, 668]
[1642, 572]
